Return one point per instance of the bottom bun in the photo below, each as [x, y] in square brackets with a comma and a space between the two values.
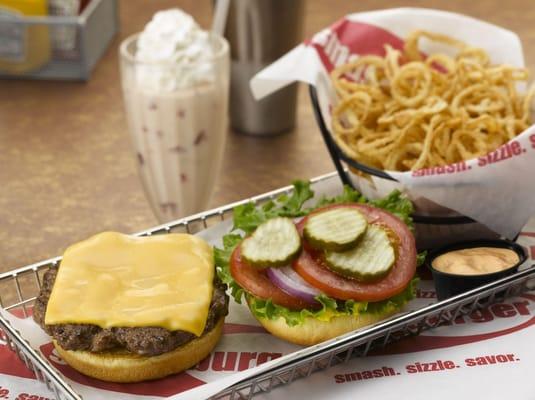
[314, 331]
[128, 367]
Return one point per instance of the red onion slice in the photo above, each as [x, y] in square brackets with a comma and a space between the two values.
[285, 278]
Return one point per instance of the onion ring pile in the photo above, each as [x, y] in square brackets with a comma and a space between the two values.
[405, 111]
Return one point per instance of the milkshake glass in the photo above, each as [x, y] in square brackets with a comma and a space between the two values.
[177, 115]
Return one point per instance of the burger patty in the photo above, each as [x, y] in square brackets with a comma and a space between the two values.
[147, 341]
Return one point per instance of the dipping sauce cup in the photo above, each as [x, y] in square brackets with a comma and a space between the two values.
[469, 262]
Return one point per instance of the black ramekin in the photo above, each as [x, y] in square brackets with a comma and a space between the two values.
[448, 285]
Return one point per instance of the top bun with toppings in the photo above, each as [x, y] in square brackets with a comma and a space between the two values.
[309, 275]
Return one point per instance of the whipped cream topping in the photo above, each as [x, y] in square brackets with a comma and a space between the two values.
[173, 52]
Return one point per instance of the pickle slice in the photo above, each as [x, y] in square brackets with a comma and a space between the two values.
[337, 229]
[274, 243]
[371, 260]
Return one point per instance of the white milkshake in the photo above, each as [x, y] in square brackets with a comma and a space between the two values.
[175, 81]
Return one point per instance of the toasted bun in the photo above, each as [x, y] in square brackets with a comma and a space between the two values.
[314, 331]
[128, 367]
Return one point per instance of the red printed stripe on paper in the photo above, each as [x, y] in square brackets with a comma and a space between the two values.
[347, 38]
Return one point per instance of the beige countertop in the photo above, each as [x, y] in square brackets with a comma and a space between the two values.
[66, 168]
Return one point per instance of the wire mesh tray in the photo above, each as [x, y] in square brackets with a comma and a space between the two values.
[25, 283]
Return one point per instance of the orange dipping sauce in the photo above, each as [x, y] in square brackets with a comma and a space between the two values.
[475, 261]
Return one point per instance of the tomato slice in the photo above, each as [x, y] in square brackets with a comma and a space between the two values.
[313, 269]
[256, 282]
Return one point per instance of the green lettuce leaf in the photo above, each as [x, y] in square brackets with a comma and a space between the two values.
[349, 195]
[330, 307]
[396, 204]
[222, 262]
[247, 217]
[420, 258]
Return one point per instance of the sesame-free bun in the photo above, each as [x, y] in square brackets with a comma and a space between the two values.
[314, 331]
[122, 366]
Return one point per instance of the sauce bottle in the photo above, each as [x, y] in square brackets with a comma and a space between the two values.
[23, 47]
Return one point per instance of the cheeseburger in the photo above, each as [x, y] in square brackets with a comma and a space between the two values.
[311, 275]
[127, 309]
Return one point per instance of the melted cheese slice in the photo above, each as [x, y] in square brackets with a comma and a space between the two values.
[116, 280]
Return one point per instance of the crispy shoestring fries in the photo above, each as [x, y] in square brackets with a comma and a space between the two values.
[405, 111]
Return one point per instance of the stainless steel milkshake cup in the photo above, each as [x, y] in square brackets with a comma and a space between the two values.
[260, 32]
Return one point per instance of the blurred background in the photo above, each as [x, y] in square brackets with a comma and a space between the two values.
[66, 164]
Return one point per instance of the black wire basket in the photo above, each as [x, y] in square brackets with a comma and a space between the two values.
[431, 230]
